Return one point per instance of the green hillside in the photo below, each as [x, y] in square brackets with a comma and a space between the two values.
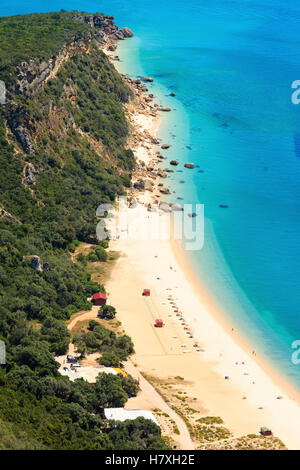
[62, 153]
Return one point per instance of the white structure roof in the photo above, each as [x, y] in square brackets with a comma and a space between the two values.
[88, 373]
[120, 414]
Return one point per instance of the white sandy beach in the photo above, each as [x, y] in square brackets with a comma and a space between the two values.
[248, 399]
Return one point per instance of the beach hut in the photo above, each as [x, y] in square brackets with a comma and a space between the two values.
[146, 292]
[99, 298]
[159, 323]
[265, 431]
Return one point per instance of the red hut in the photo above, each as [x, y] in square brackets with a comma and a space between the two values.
[146, 292]
[99, 298]
[159, 323]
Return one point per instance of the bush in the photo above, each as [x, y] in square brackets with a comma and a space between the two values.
[107, 312]
[101, 253]
[109, 360]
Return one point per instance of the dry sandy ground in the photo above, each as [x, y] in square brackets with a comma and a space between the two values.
[248, 399]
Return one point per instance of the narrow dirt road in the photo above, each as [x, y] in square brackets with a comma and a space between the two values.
[152, 396]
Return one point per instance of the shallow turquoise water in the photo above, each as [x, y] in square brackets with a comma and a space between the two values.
[231, 65]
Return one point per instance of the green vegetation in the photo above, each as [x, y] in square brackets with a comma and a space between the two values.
[35, 36]
[107, 312]
[72, 131]
[210, 420]
[114, 349]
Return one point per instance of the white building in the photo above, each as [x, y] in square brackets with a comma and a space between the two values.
[120, 414]
[88, 373]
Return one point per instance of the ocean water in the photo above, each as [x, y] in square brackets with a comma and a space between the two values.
[231, 64]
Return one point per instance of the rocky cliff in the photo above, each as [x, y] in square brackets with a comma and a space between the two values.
[104, 33]
[64, 103]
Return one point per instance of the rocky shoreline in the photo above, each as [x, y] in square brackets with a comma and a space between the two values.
[149, 179]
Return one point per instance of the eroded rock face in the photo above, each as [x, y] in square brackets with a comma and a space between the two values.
[21, 127]
[36, 263]
[30, 174]
[32, 74]
[127, 32]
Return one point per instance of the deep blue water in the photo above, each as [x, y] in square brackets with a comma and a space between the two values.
[231, 64]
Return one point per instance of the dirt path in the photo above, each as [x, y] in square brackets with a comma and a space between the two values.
[90, 315]
[153, 397]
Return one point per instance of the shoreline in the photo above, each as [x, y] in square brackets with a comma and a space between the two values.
[139, 269]
[237, 336]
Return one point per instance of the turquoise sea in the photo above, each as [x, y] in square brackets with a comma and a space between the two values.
[231, 64]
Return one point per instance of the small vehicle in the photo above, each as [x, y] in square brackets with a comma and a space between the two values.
[71, 359]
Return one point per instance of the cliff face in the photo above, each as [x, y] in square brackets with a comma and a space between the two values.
[64, 110]
[32, 75]
[104, 33]
[30, 78]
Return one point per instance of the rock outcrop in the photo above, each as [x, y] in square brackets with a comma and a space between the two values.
[31, 75]
[161, 174]
[30, 174]
[21, 126]
[8, 216]
[189, 165]
[140, 185]
[164, 190]
[127, 33]
[36, 263]
[147, 79]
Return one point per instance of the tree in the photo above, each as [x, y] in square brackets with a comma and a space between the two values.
[38, 358]
[109, 392]
[130, 385]
[81, 348]
[101, 253]
[107, 312]
[109, 359]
